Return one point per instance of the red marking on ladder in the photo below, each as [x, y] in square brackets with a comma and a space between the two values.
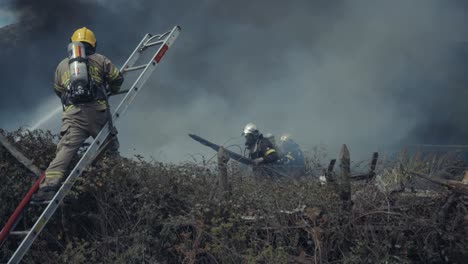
[161, 53]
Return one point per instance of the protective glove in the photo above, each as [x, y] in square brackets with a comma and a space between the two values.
[257, 161]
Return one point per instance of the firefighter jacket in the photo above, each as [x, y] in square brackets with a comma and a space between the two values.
[263, 148]
[100, 70]
[292, 154]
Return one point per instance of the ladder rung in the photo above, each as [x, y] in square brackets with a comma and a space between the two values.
[40, 203]
[19, 233]
[153, 43]
[121, 92]
[135, 68]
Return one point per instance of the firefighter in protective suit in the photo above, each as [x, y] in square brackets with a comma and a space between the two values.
[292, 156]
[261, 150]
[83, 82]
[272, 139]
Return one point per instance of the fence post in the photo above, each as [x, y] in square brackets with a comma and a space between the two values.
[373, 164]
[223, 159]
[345, 175]
[328, 173]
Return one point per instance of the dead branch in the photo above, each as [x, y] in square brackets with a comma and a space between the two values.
[19, 156]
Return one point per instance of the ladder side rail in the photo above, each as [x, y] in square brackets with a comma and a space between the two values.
[86, 159]
[153, 63]
[58, 197]
[141, 78]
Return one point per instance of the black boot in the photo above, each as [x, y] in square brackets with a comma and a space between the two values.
[45, 193]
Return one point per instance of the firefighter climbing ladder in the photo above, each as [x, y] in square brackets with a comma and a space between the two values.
[163, 42]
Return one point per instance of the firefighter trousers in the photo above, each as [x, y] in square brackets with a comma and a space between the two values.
[78, 123]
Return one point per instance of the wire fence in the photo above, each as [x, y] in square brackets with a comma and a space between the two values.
[435, 164]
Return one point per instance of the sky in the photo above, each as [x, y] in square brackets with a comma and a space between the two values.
[376, 75]
[7, 16]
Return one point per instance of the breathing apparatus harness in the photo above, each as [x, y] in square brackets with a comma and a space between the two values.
[81, 88]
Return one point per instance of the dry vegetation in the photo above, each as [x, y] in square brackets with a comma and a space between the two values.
[137, 211]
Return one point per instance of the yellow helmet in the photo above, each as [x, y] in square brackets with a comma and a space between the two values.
[85, 35]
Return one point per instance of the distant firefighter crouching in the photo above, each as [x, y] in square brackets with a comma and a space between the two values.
[261, 150]
[292, 157]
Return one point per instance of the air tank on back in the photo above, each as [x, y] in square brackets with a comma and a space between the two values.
[78, 68]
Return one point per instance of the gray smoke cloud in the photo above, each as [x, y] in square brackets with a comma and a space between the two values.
[373, 74]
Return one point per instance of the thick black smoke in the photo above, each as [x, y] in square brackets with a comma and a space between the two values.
[373, 74]
[37, 45]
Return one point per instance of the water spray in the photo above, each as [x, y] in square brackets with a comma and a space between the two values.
[47, 117]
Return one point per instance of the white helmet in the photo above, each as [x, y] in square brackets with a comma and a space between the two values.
[285, 137]
[250, 128]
